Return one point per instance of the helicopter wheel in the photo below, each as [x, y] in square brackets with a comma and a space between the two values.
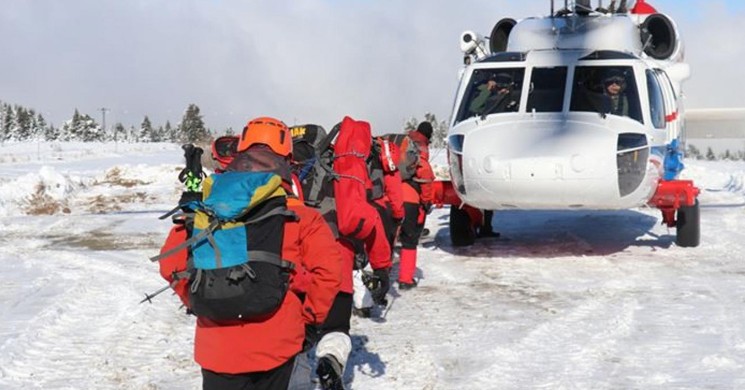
[462, 232]
[688, 226]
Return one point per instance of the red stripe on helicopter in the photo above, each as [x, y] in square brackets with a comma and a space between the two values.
[641, 7]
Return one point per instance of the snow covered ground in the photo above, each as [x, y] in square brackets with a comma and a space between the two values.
[563, 300]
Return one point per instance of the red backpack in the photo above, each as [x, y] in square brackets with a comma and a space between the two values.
[351, 149]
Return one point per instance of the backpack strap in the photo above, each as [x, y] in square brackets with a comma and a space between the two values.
[271, 213]
[206, 233]
[214, 225]
[268, 257]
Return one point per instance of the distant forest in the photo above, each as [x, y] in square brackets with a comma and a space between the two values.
[694, 153]
[18, 123]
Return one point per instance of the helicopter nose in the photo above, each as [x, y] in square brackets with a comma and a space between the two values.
[541, 165]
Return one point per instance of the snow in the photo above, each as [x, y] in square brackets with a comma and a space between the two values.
[562, 300]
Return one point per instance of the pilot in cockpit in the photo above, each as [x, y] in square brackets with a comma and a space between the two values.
[615, 101]
[496, 95]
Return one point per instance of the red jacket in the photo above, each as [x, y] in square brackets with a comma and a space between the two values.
[390, 157]
[394, 195]
[266, 344]
[356, 217]
[424, 175]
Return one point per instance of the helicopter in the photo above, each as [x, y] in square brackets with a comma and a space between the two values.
[578, 110]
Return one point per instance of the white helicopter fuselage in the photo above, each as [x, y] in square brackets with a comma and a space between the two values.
[558, 149]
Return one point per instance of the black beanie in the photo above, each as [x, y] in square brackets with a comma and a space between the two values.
[426, 129]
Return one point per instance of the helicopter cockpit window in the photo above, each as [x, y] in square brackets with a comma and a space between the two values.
[656, 101]
[547, 89]
[607, 90]
[492, 91]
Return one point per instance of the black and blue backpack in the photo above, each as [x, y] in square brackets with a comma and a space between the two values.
[235, 268]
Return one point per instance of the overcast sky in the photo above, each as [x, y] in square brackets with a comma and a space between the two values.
[299, 60]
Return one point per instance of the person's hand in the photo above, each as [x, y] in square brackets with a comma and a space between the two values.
[384, 284]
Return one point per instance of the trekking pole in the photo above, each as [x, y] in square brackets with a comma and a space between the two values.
[192, 174]
[149, 297]
[385, 313]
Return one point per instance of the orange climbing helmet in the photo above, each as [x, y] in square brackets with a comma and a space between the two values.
[267, 131]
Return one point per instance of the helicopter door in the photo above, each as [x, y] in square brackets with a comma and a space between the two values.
[671, 106]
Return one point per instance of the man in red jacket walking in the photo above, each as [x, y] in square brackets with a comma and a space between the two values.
[418, 197]
[266, 353]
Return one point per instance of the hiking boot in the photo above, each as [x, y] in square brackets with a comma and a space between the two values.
[330, 373]
[407, 286]
[364, 312]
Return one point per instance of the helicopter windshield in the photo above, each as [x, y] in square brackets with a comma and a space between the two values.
[606, 90]
[492, 91]
[547, 89]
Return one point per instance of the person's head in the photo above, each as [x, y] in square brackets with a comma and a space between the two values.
[614, 82]
[265, 145]
[425, 128]
[501, 83]
[267, 131]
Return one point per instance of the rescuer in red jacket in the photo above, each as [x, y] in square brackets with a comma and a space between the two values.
[359, 228]
[265, 354]
[418, 198]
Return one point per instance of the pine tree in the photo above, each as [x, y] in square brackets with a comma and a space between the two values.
[191, 128]
[229, 131]
[710, 154]
[52, 133]
[2, 120]
[40, 127]
[411, 124]
[159, 134]
[693, 152]
[439, 130]
[146, 131]
[119, 132]
[7, 124]
[90, 130]
[22, 126]
[71, 128]
[169, 133]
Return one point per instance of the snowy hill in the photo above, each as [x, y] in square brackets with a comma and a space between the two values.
[563, 300]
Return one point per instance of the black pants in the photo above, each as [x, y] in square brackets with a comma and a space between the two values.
[386, 216]
[339, 314]
[277, 378]
[410, 229]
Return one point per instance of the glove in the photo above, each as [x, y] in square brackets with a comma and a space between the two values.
[384, 284]
[312, 334]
